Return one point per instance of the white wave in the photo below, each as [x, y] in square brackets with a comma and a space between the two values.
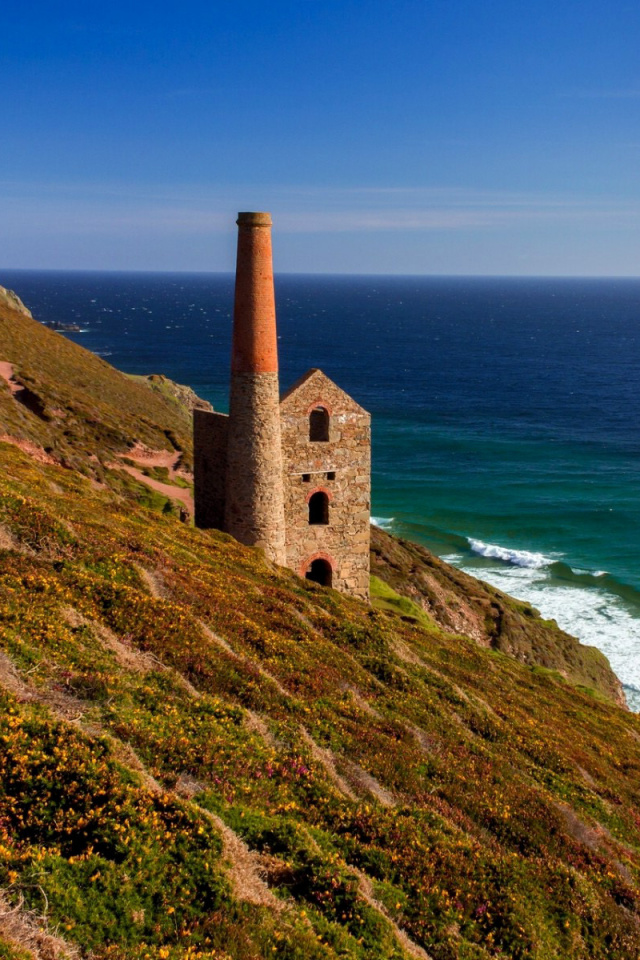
[594, 616]
[519, 558]
[383, 522]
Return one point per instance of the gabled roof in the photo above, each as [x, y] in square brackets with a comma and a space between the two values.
[315, 387]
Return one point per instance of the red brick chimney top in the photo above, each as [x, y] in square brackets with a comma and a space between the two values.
[255, 345]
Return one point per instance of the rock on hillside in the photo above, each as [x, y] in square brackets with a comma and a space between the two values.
[10, 299]
[459, 603]
[183, 395]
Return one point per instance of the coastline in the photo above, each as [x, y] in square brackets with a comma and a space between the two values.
[498, 412]
[592, 607]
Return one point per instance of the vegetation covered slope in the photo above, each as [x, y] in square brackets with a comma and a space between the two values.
[202, 755]
[83, 413]
[156, 678]
[76, 406]
[462, 604]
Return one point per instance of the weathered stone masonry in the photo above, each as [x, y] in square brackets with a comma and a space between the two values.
[339, 468]
[289, 476]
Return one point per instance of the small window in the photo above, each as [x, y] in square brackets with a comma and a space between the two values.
[320, 572]
[306, 477]
[331, 475]
[319, 508]
[319, 425]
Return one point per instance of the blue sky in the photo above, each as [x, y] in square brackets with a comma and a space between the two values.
[444, 137]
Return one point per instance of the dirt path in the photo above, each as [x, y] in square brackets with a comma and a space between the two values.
[6, 372]
[166, 489]
[159, 458]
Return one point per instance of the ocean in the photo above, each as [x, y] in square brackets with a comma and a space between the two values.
[506, 412]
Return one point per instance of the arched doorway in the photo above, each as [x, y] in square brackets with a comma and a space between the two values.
[319, 570]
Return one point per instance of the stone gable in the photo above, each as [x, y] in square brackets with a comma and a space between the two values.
[336, 472]
[314, 384]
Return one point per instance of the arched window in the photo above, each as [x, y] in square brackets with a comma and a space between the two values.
[319, 425]
[319, 507]
[320, 572]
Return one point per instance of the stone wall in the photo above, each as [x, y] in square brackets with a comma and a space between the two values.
[341, 467]
[254, 512]
[210, 431]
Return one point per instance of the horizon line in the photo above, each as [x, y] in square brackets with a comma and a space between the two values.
[301, 273]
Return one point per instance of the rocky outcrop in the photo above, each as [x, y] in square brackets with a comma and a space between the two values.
[184, 395]
[459, 603]
[10, 299]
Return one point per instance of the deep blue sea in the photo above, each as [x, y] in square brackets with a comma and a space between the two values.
[506, 412]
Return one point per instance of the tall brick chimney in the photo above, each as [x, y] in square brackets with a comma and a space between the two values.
[254, 501]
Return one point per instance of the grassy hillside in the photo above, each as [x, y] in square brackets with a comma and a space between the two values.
[83, 413]
[203, 756]
[76, 406]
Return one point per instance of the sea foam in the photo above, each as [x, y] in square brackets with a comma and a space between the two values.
[384, 523]
[519, 558]
[593, 614]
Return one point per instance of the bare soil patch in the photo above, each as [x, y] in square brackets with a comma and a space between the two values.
[6, 372]
[361, 779]
[11, 680]
[9, 542]
[166, 489]
[366, 892]
[153, 581]
[255, 723]
[128, 657]
[32, 449]
[159, 458]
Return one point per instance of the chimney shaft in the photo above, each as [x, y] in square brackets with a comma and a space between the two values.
[255, 346]
[254, 501]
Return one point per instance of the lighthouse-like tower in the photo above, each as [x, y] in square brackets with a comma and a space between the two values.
[254, 501]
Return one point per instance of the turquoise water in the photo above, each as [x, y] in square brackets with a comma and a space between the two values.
[506, 412]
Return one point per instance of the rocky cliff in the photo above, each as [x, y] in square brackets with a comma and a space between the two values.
[461, 604]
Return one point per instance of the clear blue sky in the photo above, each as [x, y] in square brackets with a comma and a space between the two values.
[394, 136]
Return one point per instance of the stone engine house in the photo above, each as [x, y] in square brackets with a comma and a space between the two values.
[289, 474]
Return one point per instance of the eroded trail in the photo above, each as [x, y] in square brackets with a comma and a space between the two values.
[169, 459]
[6, 372]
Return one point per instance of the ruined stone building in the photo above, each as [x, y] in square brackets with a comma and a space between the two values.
[288, 474]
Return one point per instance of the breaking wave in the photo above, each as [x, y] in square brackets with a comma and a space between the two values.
[592, 605]
[519, 558]
[385, 523]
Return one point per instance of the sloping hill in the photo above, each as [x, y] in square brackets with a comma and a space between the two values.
[74, 405]
[203, 756]
[66, 405]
